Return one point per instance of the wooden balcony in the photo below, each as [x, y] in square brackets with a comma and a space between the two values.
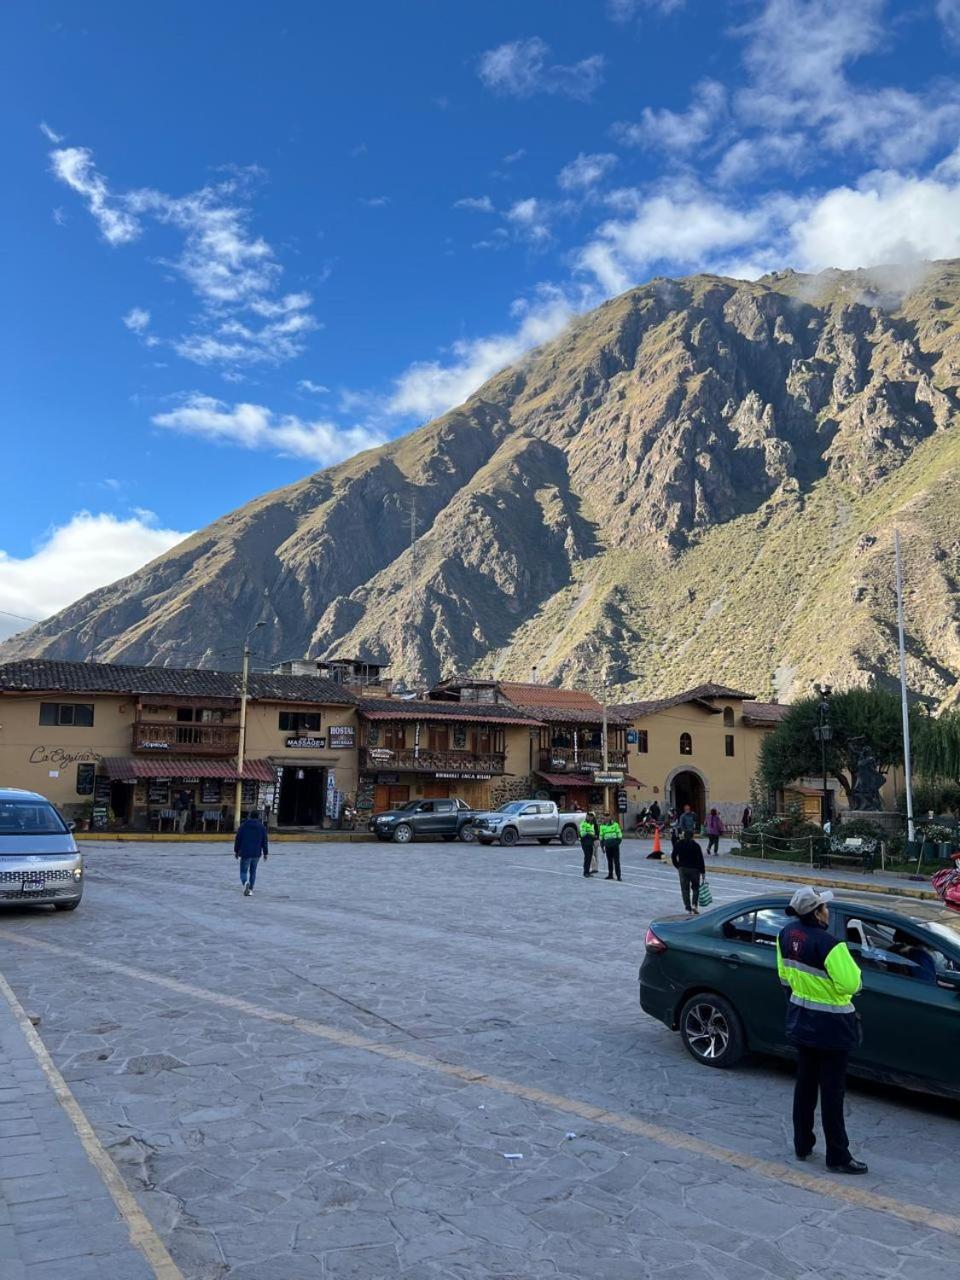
[165, 737]
[588, 759]
[404, 760]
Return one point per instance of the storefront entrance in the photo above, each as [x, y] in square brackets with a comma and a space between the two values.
[301, 799]
[687, 788]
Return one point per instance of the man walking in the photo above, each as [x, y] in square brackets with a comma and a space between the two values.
[589, 835]
[822, 978]
[611, 834]
[250, 842]
[687, 857]
[687, 823]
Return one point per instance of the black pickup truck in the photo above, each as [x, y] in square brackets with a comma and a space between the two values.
[450, 819]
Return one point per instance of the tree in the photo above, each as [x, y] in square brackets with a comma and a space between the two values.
[859, 718]
[937, 750]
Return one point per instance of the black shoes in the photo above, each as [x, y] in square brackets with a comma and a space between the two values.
[608, 877]
[853, 1166]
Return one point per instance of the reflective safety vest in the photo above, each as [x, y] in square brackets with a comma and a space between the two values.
[588, 828]
[610, 831]
[822, 978]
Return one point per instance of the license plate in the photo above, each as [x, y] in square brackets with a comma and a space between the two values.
[32, 884]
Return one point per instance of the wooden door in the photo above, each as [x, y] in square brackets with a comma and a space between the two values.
[436, 790]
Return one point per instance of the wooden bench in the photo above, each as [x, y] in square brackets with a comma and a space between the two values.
[852, 849]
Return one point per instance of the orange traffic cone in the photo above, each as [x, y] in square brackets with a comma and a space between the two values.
[657, 851]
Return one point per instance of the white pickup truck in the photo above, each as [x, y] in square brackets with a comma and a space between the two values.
[528, 820]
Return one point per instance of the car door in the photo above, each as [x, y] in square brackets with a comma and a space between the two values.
[446, 816]
[910, 1012]
[426, 819]
[749, 959]
[535, 822]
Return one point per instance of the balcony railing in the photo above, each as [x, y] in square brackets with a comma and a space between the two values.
[167, 737]
[561, 759]
[389, 760]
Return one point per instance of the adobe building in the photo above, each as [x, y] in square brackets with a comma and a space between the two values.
[119, 745]
[700, 747]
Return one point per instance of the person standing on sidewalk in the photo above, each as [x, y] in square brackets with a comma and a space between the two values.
[250, 842]
[181, 807]
[687, 857]
[611, 835]
[714, 832]
[822, 978]
[589, 835]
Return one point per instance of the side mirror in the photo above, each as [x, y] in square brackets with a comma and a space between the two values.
[71, 826]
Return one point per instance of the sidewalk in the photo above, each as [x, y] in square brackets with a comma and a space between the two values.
[57, 1219]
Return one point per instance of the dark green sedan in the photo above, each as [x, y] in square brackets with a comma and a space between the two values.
[714, 979]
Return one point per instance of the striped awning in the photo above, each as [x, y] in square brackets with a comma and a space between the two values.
[583, 780]
[130, 768]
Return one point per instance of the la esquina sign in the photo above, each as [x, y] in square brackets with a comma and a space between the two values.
[59, 758]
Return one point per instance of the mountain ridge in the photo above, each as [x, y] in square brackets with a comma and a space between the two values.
[697, 480]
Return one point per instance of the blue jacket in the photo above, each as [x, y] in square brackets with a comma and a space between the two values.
[251, 838]
[823, 978]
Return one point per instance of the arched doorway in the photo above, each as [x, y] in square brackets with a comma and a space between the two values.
[687, 787]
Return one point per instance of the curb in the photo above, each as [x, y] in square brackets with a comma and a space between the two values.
[853, 885]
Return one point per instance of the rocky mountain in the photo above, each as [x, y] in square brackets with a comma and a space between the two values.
[698, 480]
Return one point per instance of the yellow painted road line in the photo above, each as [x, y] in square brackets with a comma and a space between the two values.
[142, 1234]
[673, 1139]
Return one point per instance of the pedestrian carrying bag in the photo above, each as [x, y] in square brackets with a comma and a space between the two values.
[705, 897]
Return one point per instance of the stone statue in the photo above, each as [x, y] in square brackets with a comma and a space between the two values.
[867, 783]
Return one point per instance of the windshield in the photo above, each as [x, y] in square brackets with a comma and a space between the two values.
[513, 807]
[29, 818]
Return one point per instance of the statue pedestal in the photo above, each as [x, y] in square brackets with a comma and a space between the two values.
[888, 821]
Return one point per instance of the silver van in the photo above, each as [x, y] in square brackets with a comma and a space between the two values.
[39, 858]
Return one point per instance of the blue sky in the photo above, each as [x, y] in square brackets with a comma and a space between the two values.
[245, 240]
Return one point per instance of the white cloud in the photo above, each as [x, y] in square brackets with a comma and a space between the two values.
[478, 204]
[586, 170]
[522, 68]
[625, 10]
[137, 320]
[515, 156]
[252, 426]
[49, 134]
[529, 218]
[375, 202]
[231, 271]
[313, 388]
[679, 131]
[74, 166]
[948, 11]
[431, 387]
[87, 552]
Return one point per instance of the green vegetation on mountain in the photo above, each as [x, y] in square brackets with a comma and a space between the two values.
[700, 479]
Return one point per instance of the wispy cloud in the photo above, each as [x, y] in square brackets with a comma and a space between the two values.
[137, 320]
[49, 134]
[312, 388]
[253, 426]
[522, 68]
[530, 218]
[234, 273]
[479, 204]
[586, 171]
[375, 202]
[72, 559]
[625, 10]
[514, 157]
[678, 131]
[948, 11]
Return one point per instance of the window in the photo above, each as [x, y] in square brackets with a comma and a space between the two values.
[438, 737]
[728, 717]
[886, 948]
[79, 714]
[395, 736]
[643, 744]
[728, 744]
[29, 818]
[300, 722]
[483, 742]
[740, 928]
[686, 744]
[444, 806]
[769, 924]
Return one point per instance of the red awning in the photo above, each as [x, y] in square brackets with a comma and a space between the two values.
[583, 780]
[128, 769]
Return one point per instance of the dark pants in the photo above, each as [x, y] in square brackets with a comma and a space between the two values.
[586, 844]
[713, 844]
[689, 886]
[612, 850]
[248, 870]
[823, 1072]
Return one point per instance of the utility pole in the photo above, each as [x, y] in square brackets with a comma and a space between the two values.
[904, 709]
[241, 741]
[824, 732]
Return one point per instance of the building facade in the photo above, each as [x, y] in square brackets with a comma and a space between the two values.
[136, 747]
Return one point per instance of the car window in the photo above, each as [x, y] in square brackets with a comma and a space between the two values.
[770, 921]
[740, 928]
[29, 818]
[444, 806]
[531, 808]
[427, 807]
[884, 947]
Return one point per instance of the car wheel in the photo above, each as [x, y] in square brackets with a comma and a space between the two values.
[569, 835]
[468, 833]
[509, 835]
[711, 1030]
[403, 833]
[66, 906]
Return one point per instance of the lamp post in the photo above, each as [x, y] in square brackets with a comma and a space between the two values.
[606, 752]
[823, 733]
[241, 742]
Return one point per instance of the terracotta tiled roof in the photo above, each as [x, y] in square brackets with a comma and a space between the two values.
[416, 709]
[702, 694]
[558, 706]
[125, 768]
[764, 712]
[44, 675]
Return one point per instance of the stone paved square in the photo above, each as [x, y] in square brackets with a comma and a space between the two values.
[325, 1080]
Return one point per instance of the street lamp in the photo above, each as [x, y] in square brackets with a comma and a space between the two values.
[823, 732]
[238, 793]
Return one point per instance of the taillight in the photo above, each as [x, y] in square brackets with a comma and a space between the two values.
[653, 943]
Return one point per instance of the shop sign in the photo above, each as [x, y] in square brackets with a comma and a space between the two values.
[306, 744]
[632, 738]
[210, 791]
[559, 763]
[380, 753]
[60, 758]
[608, 779]
[589, 766]
[101, 789]
[86, 774]
[464, 777]
[622, 801]
[153, 746]
[342, 736]
[387, 779]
